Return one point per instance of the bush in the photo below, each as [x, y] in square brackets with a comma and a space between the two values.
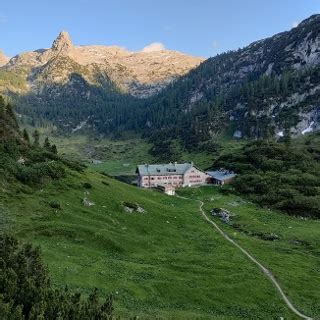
[87, 185]
[55, 205]
[36, 173]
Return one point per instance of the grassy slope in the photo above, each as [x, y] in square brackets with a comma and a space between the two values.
[166, 262]
[122, 157]
[118, 157]
[294, 258]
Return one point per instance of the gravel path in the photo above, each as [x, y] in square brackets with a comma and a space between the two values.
[261, 267]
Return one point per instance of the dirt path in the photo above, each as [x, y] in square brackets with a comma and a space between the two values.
[261, 267]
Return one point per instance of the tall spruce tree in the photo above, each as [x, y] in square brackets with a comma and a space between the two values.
[47, 144]
[25, 136]
[36, 137]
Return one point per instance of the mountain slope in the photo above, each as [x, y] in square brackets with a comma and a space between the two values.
[272, 84]
[269, 88]
[87, 86]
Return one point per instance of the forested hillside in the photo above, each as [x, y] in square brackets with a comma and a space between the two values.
[23, 159]
[270, 87]
[285, 176]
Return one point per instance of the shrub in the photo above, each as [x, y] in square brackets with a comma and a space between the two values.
[36, 173]
[87, 185]
[55, 205]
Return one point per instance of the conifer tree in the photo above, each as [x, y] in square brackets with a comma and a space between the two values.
[54, 149]
[36, 137]
[26, 137]
[47, 144]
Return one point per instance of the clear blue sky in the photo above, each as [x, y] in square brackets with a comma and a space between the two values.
[198, 27]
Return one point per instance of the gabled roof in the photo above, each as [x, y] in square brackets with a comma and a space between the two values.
[163, 169]
[221, 174]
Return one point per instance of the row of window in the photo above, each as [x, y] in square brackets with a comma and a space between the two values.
[195, 181]
[164, 178]
[163, 183]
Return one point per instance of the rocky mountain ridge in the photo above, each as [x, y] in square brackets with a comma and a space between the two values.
[140, 74]
[270, 87]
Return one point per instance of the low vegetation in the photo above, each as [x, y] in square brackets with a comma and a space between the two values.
[285, 176]
[22, 158]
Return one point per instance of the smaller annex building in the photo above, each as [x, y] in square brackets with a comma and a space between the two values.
[221, 176]
[171, 174]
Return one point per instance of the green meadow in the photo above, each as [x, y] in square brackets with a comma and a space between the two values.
[166, 262]
[121, 157]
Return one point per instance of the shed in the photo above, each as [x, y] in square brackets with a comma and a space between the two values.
[221, 176]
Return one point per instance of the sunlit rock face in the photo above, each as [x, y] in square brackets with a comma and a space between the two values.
[141, 74]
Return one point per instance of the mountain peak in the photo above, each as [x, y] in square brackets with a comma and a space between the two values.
[63, 42]
[3, 58]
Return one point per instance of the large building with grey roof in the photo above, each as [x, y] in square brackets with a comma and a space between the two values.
[173, 174]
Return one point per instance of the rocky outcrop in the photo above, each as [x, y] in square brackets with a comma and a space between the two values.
[63, 43]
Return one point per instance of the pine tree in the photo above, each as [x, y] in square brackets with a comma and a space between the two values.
[36, 137]
[26, 137]
[54, 149]
[47, 144]
[2, 103]
[287, 137]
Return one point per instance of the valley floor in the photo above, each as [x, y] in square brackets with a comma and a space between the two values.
[168, 262]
